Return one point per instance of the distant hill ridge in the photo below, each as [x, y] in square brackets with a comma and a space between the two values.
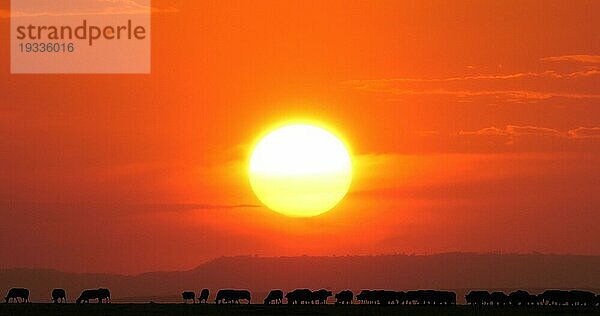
[441, 271]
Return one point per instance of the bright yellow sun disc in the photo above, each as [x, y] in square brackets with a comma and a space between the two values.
[300, 170]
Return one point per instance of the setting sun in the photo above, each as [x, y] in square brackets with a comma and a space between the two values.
[300, 170]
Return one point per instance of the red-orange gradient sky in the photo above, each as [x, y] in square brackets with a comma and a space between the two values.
[475, 126]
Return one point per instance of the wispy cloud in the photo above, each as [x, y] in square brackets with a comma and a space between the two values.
[588, 59]
[511, 87]
[512, 131]
[519, 96]
[584, 132]
[113, 209]
[519, 75]
[506, 87]
[190, 207]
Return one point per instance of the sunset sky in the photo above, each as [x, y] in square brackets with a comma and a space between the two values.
[473, 127]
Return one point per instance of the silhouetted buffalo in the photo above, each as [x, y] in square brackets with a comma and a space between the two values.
[384, 297]
[478, 298]
[521, 298]
[87, 295]
[428, 297]
[420, 297]
[446, 298]
[554, 297]
[573, 298]
[499, 299]
[533, 300]
[320, 296]
[401, 297]
[366, 297]
[577, 297]
[411, 297]
[188, 296]
[17, 295]
[275, 296]
[203, 297]
[299, 296]
[59, 296]
[103, 294]
[232, 296]
[344, 297]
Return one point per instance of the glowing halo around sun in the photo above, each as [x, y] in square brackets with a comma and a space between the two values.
[300, 170]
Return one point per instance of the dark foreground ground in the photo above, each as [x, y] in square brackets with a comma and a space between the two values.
[181, 309]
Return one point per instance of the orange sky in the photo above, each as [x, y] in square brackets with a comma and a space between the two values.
[474, 127]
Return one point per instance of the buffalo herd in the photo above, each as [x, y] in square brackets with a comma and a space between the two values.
[381, 297]
[21, 295]
[420, 297]
[523, 298]
[306, 296]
